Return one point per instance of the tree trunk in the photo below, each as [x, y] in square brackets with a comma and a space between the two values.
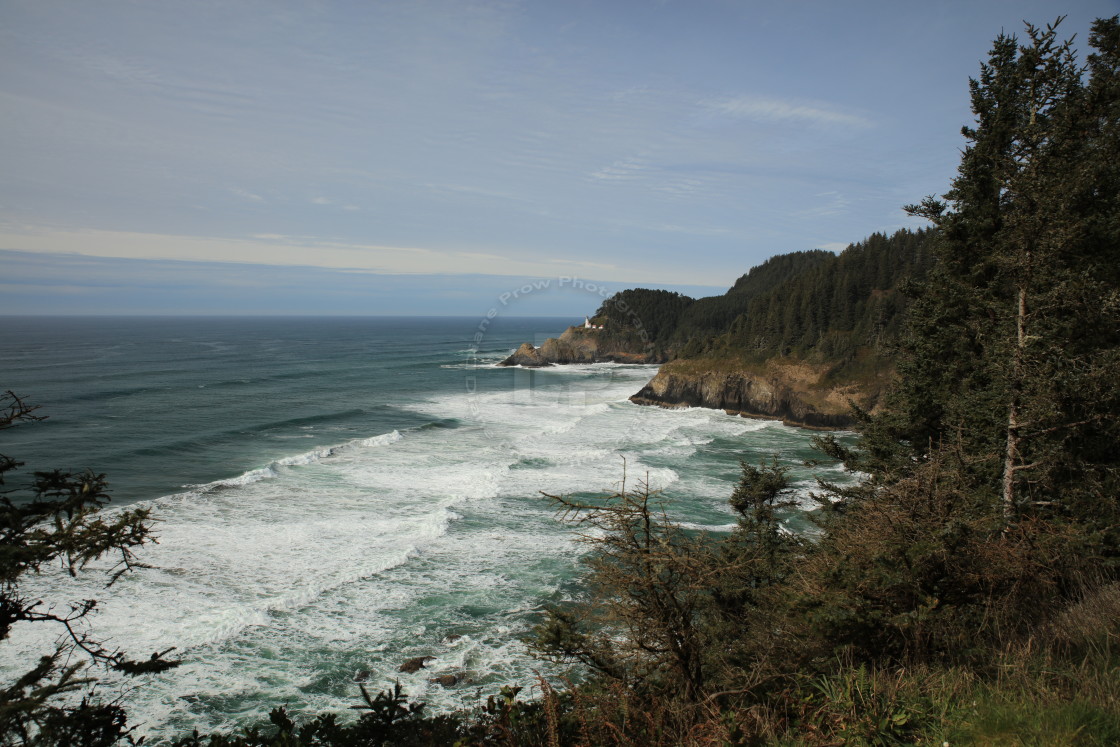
[1011, 454]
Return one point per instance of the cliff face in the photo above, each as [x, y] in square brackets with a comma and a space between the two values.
[791, 392]
[795, 392]
[579, 345]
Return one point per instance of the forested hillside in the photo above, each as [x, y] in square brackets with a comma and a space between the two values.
[834, 309]
[800, 338]
[667, 321]
[813, 304]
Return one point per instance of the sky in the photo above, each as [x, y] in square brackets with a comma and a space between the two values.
[439, 156]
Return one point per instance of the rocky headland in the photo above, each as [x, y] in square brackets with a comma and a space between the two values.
[581, 345]
[795, 392]
[798, 338]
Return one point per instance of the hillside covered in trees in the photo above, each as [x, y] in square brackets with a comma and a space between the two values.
[812, 303]
[798, 337]
[967, 590]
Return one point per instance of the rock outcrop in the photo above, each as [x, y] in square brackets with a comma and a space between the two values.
[791, 392]
[579, 345]
[795, 392]
[416, 664]
[527, 356]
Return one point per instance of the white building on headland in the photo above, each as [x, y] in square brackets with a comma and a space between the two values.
[588, 325]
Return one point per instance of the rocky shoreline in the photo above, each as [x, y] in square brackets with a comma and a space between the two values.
[792, 392]
[769, 396]
[580, 345]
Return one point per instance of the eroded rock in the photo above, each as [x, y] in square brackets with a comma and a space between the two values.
[415, 664]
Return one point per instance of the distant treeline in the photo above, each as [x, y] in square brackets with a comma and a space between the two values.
[812, 304]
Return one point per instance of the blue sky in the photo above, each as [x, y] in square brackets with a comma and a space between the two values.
[427, 156]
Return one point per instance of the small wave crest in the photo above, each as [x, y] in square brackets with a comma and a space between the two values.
[275, 468]
[707, 527]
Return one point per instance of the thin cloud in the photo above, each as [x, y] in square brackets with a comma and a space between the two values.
[834, 204]
[775, 110]
[247, 195]
[622, 170]
[690, 230]
[470, 189]
[290, 251]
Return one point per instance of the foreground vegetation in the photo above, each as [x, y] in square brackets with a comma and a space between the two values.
[966, 590]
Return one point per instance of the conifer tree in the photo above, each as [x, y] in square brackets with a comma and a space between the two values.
[1014, 339]
[992, 490]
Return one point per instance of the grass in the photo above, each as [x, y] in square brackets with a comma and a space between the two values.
[1059, 688]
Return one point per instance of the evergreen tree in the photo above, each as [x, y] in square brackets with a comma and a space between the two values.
[1014, 340]
[992, 491]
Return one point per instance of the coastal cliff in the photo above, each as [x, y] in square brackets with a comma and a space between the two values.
[797, 338]
[797, 393]
[581, 345]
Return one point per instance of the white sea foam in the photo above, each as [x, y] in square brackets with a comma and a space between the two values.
[305, 458]
[278, 585]
[708, 527]
[383, 440]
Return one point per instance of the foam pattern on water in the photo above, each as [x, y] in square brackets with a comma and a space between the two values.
[284, 584]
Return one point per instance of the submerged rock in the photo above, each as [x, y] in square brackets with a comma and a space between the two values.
[447, 680]
[415, 664]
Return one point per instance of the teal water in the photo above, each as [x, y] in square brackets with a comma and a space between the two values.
[338, 495]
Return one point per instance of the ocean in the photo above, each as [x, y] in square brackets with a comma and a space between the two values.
[337, 495]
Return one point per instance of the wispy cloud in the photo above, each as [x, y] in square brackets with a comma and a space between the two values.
[776, 110]
[328, 202]
[247, 195]
[307, 251]
[71, 284]
[830, 204]
[474, 190]
[487, 136]
[691, 230]
[621, 170]
[650, 175]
